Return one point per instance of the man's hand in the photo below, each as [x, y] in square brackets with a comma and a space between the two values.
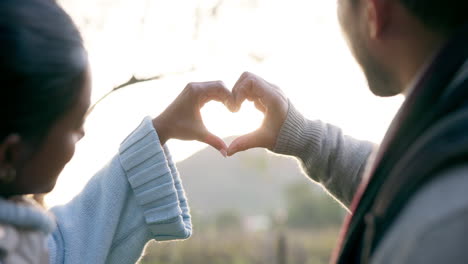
[270, 100]
[182, 119]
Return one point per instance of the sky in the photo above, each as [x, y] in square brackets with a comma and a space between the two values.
[295, 44]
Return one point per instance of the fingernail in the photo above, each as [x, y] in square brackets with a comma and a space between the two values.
[230, 153]
[224, 153]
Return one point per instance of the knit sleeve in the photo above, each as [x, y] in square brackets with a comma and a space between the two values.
[327, 156]
[133, 199]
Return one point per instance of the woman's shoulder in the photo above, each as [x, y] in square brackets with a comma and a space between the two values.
[20, 245]
[24, 226]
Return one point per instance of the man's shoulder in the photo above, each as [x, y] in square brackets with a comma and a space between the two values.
[438, 211]
[445, 195]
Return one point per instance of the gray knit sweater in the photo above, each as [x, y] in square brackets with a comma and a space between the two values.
[433, 226]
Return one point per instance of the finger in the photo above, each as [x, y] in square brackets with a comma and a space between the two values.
[215, 142]
[214, 91]
[245, 142]
[240, 80]
[241, 92]
[238, 97]
[260, 106]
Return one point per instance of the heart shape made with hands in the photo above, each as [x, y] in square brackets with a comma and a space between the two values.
[223, 123]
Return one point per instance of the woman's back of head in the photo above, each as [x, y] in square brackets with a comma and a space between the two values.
[42, 66]
[44, 92]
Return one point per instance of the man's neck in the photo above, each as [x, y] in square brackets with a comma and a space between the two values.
[419, 73]
[418, 54]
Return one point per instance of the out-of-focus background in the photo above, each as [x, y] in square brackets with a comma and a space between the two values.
[255, 207]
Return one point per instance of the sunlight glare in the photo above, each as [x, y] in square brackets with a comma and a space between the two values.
[221, 122]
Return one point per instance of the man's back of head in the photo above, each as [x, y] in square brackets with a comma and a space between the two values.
[442, 16]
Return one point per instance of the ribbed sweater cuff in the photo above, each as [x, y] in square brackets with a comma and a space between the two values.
[149, 174]
[180, 190]
[298, 136]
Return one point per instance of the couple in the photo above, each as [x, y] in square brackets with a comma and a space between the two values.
[408, 202]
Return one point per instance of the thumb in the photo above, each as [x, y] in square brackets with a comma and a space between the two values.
[215, 142]
[245, 142]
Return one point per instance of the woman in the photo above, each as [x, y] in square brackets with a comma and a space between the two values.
[44, 96]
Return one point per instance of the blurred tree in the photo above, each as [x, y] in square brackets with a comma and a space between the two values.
[311, 209]
[228, 220]
[281, 251]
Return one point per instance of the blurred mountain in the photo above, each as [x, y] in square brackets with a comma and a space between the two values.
[251, 183]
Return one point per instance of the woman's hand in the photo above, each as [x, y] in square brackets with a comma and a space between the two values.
[182, 119]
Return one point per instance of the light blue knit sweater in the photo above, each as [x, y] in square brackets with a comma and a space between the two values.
[137, 197]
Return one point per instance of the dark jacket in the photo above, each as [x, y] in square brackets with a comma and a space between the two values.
[429, 135]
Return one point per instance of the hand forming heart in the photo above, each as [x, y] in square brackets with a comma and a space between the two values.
[182, 119]
[270, 100]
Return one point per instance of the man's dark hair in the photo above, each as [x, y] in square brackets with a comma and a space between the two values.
[444, 16]
[42, 66]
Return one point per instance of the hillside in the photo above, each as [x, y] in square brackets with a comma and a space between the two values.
[251, 182]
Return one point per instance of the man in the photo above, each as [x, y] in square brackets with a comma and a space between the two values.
[408, 204]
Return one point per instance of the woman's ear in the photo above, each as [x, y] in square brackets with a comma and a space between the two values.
[10, 151]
